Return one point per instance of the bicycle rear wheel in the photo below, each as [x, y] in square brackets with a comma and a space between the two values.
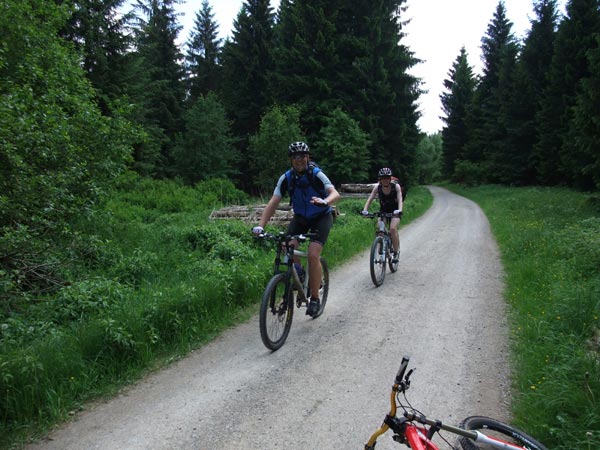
[276, 312]
[498, 430]
[378, 261]
[324, 290]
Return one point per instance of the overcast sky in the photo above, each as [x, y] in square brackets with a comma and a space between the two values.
[437, 31]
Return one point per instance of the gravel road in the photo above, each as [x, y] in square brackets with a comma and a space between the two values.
[328, 386]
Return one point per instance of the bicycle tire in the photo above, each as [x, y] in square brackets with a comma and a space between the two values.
[276, 312]
[378, 261]
[496, 429]
[393, 265]
[324, 290]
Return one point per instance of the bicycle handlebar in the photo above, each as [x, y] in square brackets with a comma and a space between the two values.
[402, 369]
[380, 214]
[282, 237]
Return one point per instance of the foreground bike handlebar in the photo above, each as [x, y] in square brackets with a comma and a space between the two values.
[401, 426]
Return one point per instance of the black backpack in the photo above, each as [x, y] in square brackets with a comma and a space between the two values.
[311, 173]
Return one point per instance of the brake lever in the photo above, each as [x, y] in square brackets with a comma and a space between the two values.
[406, 381]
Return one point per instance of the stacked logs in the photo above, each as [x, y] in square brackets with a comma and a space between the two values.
[284, 213]
[252, 213]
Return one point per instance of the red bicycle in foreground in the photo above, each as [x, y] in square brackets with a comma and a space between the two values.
[416, 431]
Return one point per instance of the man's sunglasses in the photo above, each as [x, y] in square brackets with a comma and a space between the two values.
[298, 156]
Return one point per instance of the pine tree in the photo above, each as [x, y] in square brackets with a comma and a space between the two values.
[373, 82]
[306, 61]
[333, 54]
[247, 61]
[584, 128]
[401, 133]
[456, 102]
[203, 55]
[362, 83]
[159, 90]
[556, 160]
[490, 118]
[531, 81]
[98, 32]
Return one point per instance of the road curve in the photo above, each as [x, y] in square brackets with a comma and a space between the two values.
[328, 386]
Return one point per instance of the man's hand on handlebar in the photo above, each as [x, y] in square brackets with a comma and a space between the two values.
[319, 201]
[258, 230]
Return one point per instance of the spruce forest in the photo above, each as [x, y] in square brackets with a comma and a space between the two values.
[101, 107]
[91, 88]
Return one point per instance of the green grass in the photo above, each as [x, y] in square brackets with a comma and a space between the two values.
[142, 293]
[550, 245]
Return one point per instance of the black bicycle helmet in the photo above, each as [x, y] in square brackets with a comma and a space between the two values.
[384, 172]
[298, 147]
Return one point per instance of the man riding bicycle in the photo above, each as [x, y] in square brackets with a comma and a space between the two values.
[390, 199]
[312, 194]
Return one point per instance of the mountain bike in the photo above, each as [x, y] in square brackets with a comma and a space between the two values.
[416, 431]
[382, 250]
[286, 288]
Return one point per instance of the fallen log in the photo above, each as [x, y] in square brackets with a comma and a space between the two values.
[356, 188]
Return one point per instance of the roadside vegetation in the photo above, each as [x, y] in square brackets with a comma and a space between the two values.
[150, 278]
[142, 293]
[549, 239]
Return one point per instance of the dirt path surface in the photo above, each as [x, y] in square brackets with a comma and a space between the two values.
[328, 386]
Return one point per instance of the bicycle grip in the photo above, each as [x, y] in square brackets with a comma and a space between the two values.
[402, 369]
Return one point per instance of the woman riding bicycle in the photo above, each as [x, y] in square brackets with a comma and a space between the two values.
[390, 199]
[312, 195]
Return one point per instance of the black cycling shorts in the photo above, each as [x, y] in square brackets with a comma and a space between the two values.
[320, 225]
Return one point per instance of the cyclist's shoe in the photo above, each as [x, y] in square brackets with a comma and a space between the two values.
[313, 307]
[395, 258]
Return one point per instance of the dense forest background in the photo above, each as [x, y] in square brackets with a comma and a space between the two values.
[91, 90]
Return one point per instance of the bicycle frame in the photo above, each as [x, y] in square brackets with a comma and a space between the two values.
[284, 256]
[419, 437]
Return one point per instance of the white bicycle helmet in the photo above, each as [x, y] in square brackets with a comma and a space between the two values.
[384, 172]
[298, 147]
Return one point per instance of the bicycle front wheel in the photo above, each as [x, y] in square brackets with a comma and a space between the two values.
[276, 312]
[497, 430]
[378, 261]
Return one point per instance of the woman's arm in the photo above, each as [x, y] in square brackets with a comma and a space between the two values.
[371, 197]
